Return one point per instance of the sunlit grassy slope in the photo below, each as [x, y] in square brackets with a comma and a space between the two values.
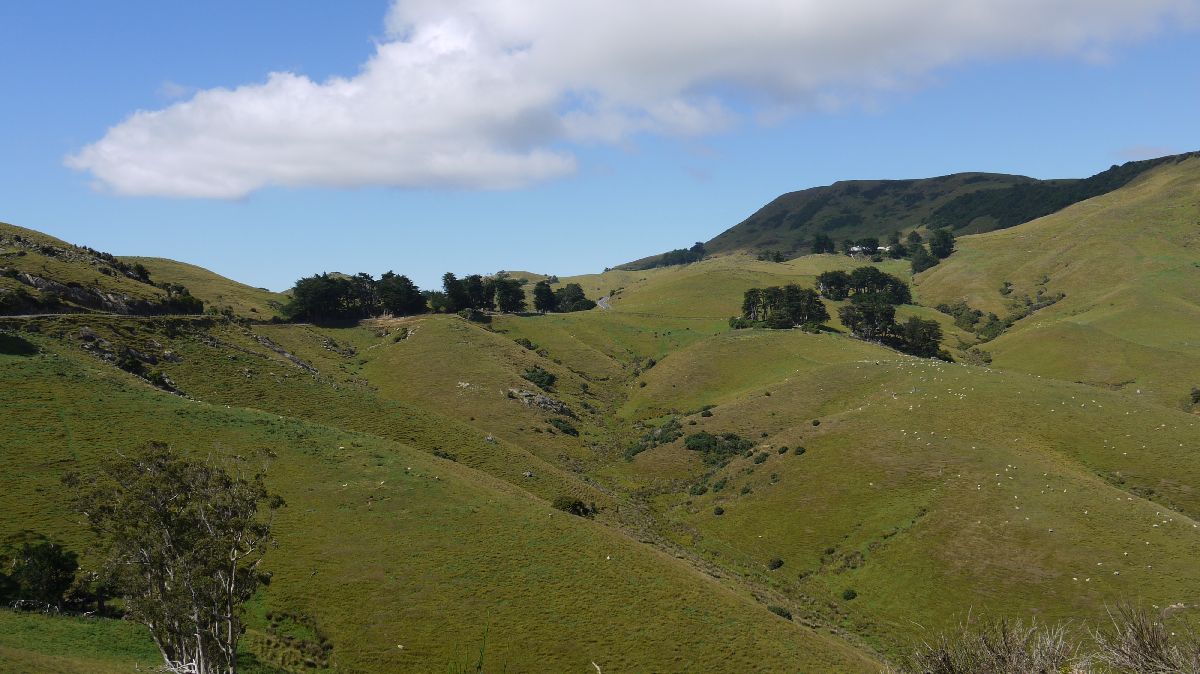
[930, 489]
[37, 643]
[32, 255]
[404, 560]
[1129, 264]
[216, 291]
[1043, 486]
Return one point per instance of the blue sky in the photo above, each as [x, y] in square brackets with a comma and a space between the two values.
[559, 155]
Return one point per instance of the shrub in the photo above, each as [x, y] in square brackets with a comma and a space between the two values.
[780, 611]
[475, 316]
[816, 422]
[775, 563]
[717, 448]
[564, 426]
[540, 378]
[570, 504]
[698, 489]
[523, 341]
[720, 484]
[738, 323]
[760, 457]
[746, 490]
[800, 450]
[849, 594]
[708, 413]
[718, 511]
[669, 431]
[783, 449]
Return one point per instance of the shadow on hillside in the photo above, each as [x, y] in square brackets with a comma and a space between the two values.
[13, 345]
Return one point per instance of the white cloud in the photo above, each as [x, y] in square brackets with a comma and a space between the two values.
[492, 93]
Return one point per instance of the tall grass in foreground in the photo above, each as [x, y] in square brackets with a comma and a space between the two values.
[1136, 641]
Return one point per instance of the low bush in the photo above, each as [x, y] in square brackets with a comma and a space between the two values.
[780, 611]
[540, 378]
[575, 506]
[717, 449]
[564, 426]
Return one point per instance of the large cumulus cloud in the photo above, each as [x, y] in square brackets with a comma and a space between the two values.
[494, 93]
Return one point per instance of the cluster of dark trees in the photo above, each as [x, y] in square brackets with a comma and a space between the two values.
[782, 307]
[863, 283]
[941, 245]
[673, 257]
[914, 247]
[333, 297]
[871, 313]
[479, 293]
[338, 297]
[566, 299]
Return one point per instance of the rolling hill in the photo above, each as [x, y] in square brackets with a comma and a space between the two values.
[876, 497]
[217, 292]
[967, 203]
[1128, 263]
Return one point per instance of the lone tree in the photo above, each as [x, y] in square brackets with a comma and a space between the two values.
[543, 297]
[510, 297]
[184, 539]
[941, 243]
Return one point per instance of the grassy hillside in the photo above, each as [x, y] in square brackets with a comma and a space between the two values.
[916, 474]
[877, 497]
[384, 545]
[1129, 265]
[217, 292]
[39, 273]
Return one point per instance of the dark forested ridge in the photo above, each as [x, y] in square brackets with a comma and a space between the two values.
[967, 203]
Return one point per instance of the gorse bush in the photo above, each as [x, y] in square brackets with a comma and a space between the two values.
[717, 449]
[575, 506]
[564, 426]
[670, 431]
[780, 611]
[539, 377]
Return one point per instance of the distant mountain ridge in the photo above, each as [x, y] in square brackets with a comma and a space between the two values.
[968, 203]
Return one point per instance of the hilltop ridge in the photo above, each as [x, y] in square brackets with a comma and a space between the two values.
[967, 203]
